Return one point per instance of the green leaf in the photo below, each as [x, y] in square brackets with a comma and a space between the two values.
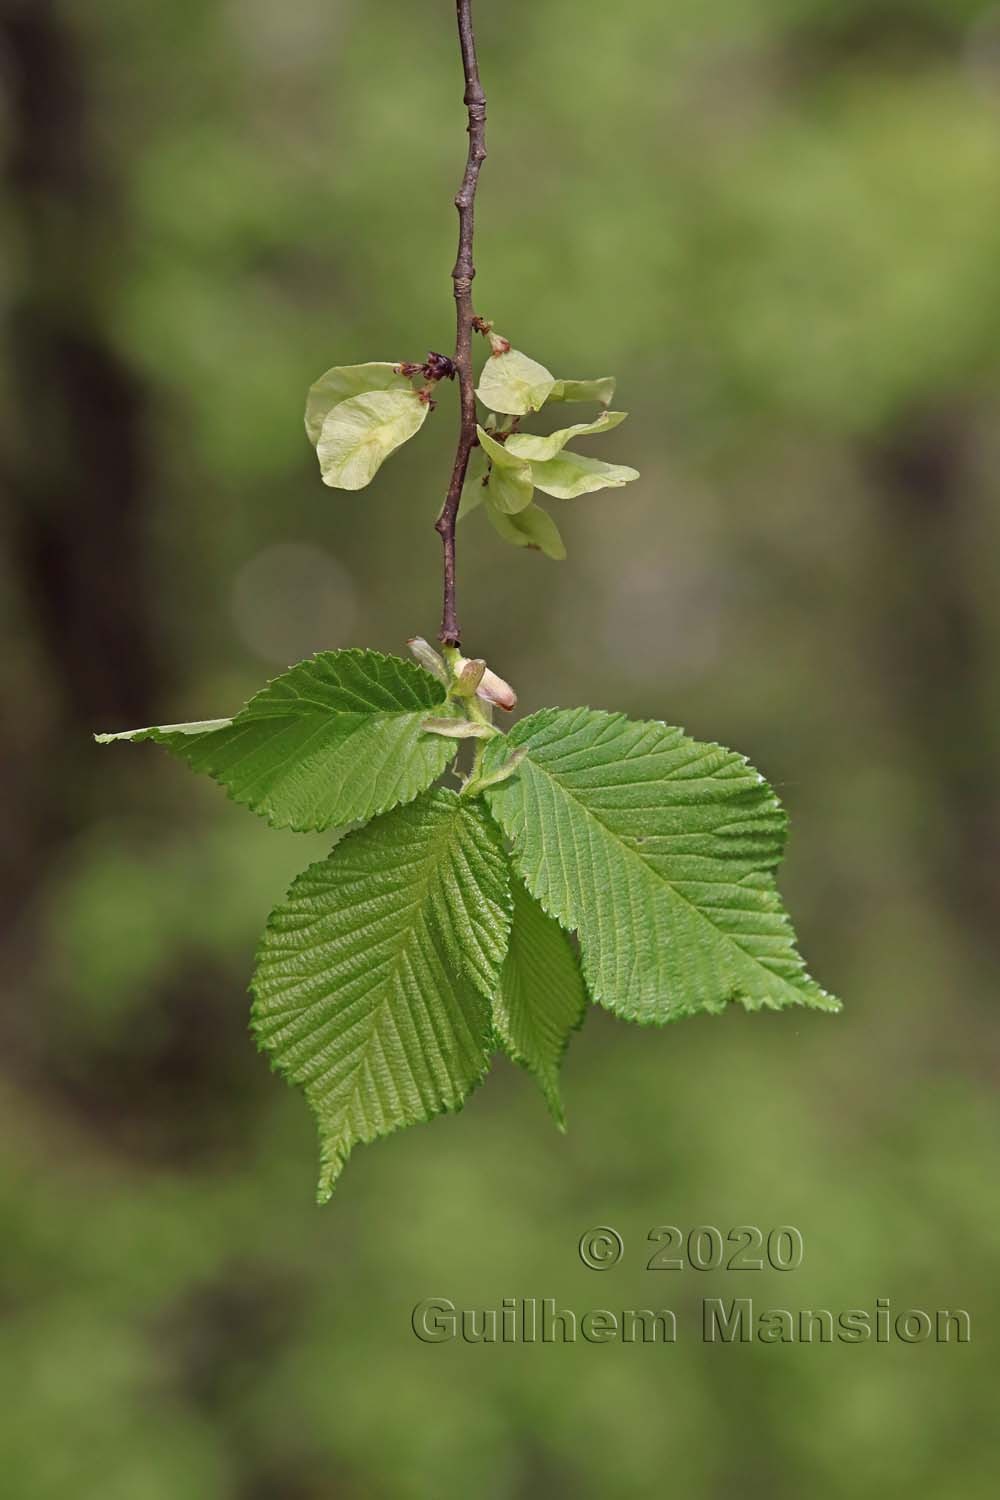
[374, 978]
[344, 381]
[602, 390]
[359, 434]
[531, 527]
[541, 449]
[541, 999]
[509, 488]
[572, 474]
[473, 490]
[659, 852]
[514, 384]
[335, 740]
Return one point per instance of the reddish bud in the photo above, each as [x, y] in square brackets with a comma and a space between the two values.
[493, 689]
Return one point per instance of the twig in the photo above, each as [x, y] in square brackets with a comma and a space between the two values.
[462, 276]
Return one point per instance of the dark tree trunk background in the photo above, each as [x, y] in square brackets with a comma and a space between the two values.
[75, 461]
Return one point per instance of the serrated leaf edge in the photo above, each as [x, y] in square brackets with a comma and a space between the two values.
[827, 1003]
[332, 1169]
[157, 733]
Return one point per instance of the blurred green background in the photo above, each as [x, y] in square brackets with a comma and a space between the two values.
[778, 221]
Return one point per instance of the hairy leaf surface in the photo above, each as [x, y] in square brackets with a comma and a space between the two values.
[572, 474]
[531, 527]
[334, 740]
[542, 998]
[514, 384]
[359, 434]
[374, 978]
[540, 449]
[344, 381]
[659, 851]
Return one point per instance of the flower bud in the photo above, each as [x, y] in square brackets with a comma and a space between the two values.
[493, 689]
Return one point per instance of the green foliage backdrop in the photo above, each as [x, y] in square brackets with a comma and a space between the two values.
[779, 223]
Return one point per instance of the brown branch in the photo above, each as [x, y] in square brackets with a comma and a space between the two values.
[462, 277]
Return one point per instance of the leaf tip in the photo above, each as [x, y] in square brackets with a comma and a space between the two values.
[333, 1159]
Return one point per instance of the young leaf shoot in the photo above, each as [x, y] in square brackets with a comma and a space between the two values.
[585, 856]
